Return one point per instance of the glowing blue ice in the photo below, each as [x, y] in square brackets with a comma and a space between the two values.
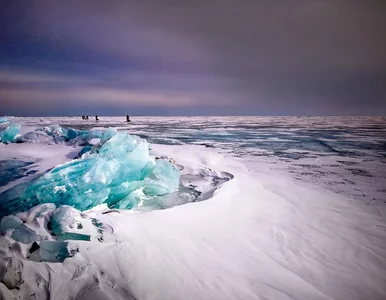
[55, 134]
[164, 179]
[10, 133]
[119, 172]
[3, 120]
[70, 135]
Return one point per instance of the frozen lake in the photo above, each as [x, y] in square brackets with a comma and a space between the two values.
[294, 209]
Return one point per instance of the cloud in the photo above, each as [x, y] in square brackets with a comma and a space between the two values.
[22, 76]
[41, 91]
[259, 57]
[92, 97]
[40, 88]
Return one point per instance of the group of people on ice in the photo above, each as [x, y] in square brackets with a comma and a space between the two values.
[97, 119]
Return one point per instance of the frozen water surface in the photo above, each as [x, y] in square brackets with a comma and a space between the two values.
[268, 228]
[343, 154]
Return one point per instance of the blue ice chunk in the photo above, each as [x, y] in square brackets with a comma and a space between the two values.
[35, 137]
[74, 136]
[131, 200]
[109, 173]
[55, 130]
[36, 212]
[20, 232]
[82, 137]
[64, 218]
[10, 134]
[12, 169]
[84, 150]
[71, 134]
[53, 251]
[163, 180]
[66, 224]
[57, 134]
[107, 134]
[3, 120]
[74, 236]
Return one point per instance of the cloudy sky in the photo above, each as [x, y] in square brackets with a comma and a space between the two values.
[197, 57]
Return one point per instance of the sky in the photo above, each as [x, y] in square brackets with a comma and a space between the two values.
[197, 57]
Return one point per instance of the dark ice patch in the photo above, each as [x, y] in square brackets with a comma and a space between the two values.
[11, 170]
[360, 172]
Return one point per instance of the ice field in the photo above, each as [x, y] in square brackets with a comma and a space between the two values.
[193, 208]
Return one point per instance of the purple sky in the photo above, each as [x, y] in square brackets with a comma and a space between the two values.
[168, 57]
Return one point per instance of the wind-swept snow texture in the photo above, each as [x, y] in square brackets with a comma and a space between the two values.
[344, 154]
[259, 234]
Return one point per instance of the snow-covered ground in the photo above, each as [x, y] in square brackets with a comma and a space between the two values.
[344, 154]
[262, 235]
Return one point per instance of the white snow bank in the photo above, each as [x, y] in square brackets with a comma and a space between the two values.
[261, 236]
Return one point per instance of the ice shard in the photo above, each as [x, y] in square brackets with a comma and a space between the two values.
[18, 231]
[66, 223]
[36, 136]
[108, 173]
[55, 134]
[10, 133]
[163, 180]
[52, 251]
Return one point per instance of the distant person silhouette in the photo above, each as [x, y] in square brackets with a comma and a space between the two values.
[96, 118]
[86, 117]
[83, 117]
[127, 118]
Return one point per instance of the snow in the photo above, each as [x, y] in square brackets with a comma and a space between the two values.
[259, 234]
